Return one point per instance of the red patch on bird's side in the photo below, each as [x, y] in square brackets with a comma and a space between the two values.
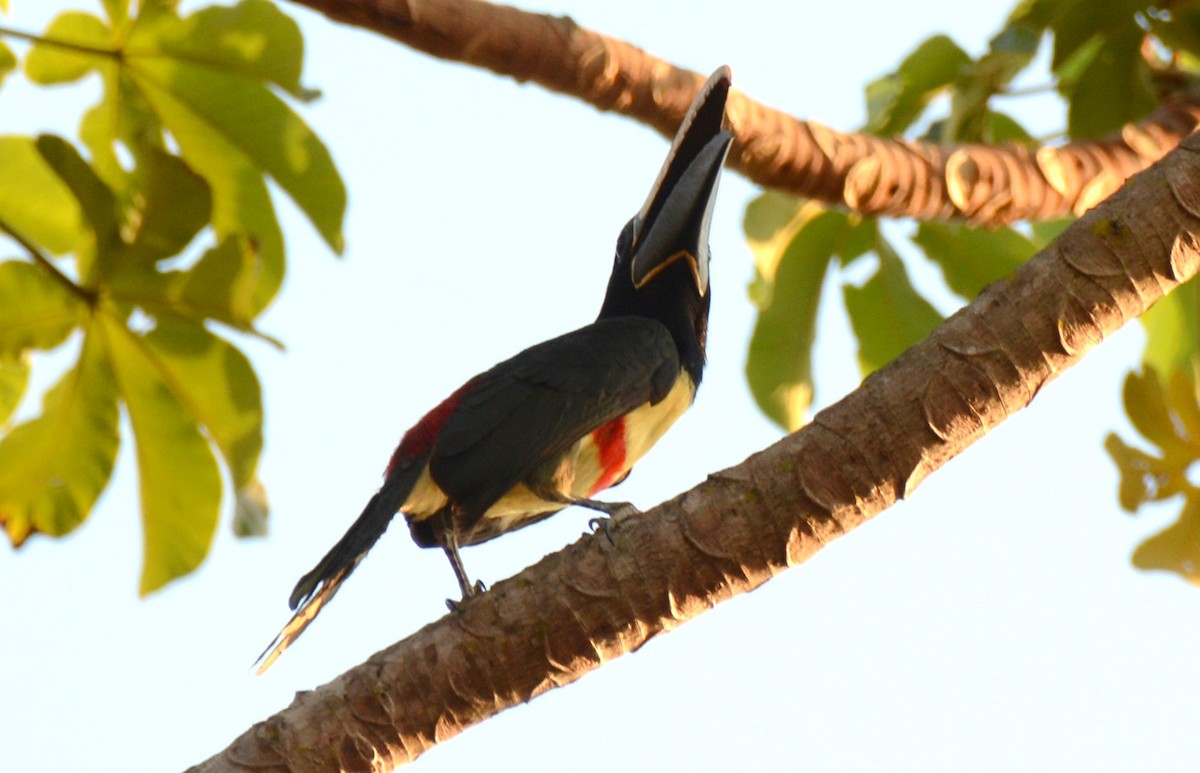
[418, 441]
[610, 448]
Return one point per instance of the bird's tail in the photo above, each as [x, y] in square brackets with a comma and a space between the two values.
[318, 587]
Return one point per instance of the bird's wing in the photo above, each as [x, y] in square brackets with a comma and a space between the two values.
[534, 406]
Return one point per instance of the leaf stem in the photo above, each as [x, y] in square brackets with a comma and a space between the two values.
[41, 259]
[38, 39]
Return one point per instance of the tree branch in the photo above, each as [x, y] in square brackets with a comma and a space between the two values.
[987, 185]
[593, 602]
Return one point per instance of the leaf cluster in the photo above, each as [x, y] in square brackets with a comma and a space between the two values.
[1110, 63]
[1168, 417]
[146, 247]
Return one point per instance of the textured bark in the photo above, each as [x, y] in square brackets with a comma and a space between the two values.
[592, 601]
[987, 185]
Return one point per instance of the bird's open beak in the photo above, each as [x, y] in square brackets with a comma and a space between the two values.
[673, 223]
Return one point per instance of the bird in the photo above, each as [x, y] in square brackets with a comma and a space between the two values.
[563, 420]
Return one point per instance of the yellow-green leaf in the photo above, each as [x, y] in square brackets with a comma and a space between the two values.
[14, 378]
[1173, 331]
[220, 286]
[896, 100]
[258, 127]
[253, 38]
[179, 481]
[96, 201]
[36, 310]
[241, 202]
[779, 360]
[1176, 548]
[75, 43]
[121, 115]
[42, 208]
[177, 204]
[887, 314]
[217, 386]
[8, 61]
[53, 467]
[118, 12]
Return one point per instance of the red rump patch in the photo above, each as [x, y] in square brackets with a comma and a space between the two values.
[610, 448]
[418, 441]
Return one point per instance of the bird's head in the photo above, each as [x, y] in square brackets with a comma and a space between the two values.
[665, 245]
[661, 265]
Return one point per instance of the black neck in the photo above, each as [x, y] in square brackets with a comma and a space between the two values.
[671, 298]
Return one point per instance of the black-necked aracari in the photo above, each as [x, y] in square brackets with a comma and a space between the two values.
[567, 418]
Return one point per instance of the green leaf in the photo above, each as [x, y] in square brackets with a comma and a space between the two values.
[972, 258]
[179, 481]
[1173, 330]
[36, 310]
[121, 115]
[971, 119]
[220, 287]
[96, 201]
[1046, 231]
[1179, 31]
[1176, 548]
[53, 468]
[217, 386]
[80, 42]
[779, 361]
[14, 378]
[252, 39]
[8, 61]
[886, 313]
[896, 100]
[1114, 88]
[770, 222]
[999, 128]
[1077, 23]
[253, 124]
[42, 209]
[241, 202]
[177, 204]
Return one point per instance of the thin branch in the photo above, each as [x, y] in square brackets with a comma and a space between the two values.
[982, 184]
[592, 602]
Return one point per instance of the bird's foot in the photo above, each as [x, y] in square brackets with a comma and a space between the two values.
[614, 511]
[473, 591]
[605, 523]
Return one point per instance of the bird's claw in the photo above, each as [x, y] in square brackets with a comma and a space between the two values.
[605, 523]
[457, 606]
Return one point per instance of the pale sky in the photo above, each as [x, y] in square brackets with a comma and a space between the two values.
[992, 622]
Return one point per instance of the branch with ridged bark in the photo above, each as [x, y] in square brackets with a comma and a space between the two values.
[595, 601]
[982, 184]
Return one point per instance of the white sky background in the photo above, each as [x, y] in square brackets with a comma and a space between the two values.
[990, 623]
